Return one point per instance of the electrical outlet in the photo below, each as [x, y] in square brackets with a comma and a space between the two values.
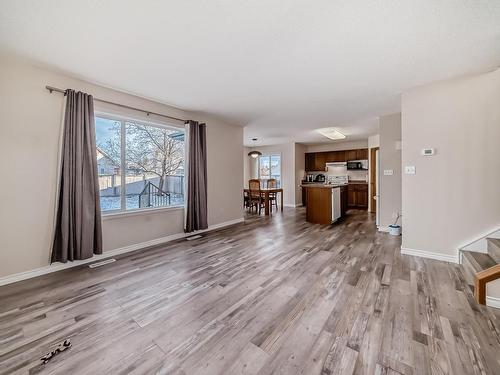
[410, 169]
[388, 172]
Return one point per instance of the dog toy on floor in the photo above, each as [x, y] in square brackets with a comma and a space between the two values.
[60, 348]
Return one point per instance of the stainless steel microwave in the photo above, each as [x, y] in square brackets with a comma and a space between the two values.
[354, 165]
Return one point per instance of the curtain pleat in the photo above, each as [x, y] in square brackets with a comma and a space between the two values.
[196, 215]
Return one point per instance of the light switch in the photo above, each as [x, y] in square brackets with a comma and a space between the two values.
[410, 169]
[388, 172]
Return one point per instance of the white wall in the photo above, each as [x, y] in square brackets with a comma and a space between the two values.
[29, 144]
[390, 159]
[454, 196]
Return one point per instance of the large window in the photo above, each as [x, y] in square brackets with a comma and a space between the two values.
[270, 167]
[140, 165]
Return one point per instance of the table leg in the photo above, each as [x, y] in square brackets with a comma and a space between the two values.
[281, 194]
[266, 202]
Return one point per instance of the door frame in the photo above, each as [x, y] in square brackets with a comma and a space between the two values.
[373, 179]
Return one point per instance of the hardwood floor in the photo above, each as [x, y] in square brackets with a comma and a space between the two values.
[273, 295]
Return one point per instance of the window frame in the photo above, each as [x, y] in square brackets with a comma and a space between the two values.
[122, 212]
[269, 155]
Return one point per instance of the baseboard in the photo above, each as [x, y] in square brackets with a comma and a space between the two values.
[430, 255]
[383, 229]
[292, 205]
[493, 302]
[108, 254]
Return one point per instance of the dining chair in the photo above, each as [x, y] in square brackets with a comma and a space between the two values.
[246, 199]
[272, 183]
[255, 195]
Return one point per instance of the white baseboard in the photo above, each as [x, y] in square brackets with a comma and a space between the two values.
[430, 255]
[383, 229]
[292, 205]
[493, 302]
[108, 254]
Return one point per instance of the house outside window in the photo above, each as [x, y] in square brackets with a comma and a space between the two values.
[140, 165]
[270, 167]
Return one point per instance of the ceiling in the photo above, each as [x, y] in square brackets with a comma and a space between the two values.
[279, 68]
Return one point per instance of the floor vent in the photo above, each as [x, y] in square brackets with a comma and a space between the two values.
[102, 263]
[193, 237]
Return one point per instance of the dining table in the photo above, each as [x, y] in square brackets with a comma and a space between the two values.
[266, 192]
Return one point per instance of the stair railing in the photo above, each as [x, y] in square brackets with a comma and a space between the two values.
[480, 281]
[153, 196]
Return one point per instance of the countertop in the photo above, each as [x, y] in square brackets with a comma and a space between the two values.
[320, 185]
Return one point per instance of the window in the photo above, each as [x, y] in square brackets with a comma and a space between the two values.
[146, 159]
[270, 167]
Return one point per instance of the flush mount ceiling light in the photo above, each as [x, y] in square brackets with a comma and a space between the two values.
[331, 133]
[254, 154]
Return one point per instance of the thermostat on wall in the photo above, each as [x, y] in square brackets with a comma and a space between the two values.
[428, 151]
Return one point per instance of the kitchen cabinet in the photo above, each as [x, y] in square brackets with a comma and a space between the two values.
[310, 159]
[351, 155]
[320, 161]
[335, 156]
[316, 161]
[362, 154]
[343, 200]
[357, 195]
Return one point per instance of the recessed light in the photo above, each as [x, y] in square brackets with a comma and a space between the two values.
[331, 133]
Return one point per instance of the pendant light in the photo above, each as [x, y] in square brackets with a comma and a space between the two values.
[254, 154]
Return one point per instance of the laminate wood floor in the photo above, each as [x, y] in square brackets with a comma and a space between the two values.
[272, 295]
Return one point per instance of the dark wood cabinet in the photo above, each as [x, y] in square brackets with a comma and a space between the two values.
[351, 155]
[343, 200]
[320, 161]
[357, 195]
[335, 156]
[310, 159]
[362, 154]
[316, 161]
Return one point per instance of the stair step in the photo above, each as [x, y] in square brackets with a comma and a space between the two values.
[494, 248]
[474, 262]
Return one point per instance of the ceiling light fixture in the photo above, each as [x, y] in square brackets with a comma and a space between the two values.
[254, 154]
[331, 133]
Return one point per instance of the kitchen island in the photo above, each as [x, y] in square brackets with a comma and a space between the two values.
[319, 207]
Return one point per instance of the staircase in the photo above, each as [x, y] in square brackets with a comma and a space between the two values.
[481, 268]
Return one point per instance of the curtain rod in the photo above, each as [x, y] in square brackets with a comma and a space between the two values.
[52, 89]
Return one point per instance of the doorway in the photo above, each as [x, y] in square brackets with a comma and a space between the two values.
[374, 173]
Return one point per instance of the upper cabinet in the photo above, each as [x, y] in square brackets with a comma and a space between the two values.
[362, 154]
[310, 160]
[316, 161]
[351, 155]
[335, 156]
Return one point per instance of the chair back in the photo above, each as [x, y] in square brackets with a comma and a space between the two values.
[254, 187]
[272, 183]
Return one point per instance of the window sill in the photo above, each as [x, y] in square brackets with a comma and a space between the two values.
[138, 212]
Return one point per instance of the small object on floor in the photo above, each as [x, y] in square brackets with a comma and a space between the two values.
[60, 348]
[195, 237]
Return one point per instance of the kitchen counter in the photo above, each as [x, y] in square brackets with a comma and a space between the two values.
[320, 185]
[319, 202]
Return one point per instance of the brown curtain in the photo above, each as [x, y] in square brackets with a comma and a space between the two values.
[196, 213]
[78, 232]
